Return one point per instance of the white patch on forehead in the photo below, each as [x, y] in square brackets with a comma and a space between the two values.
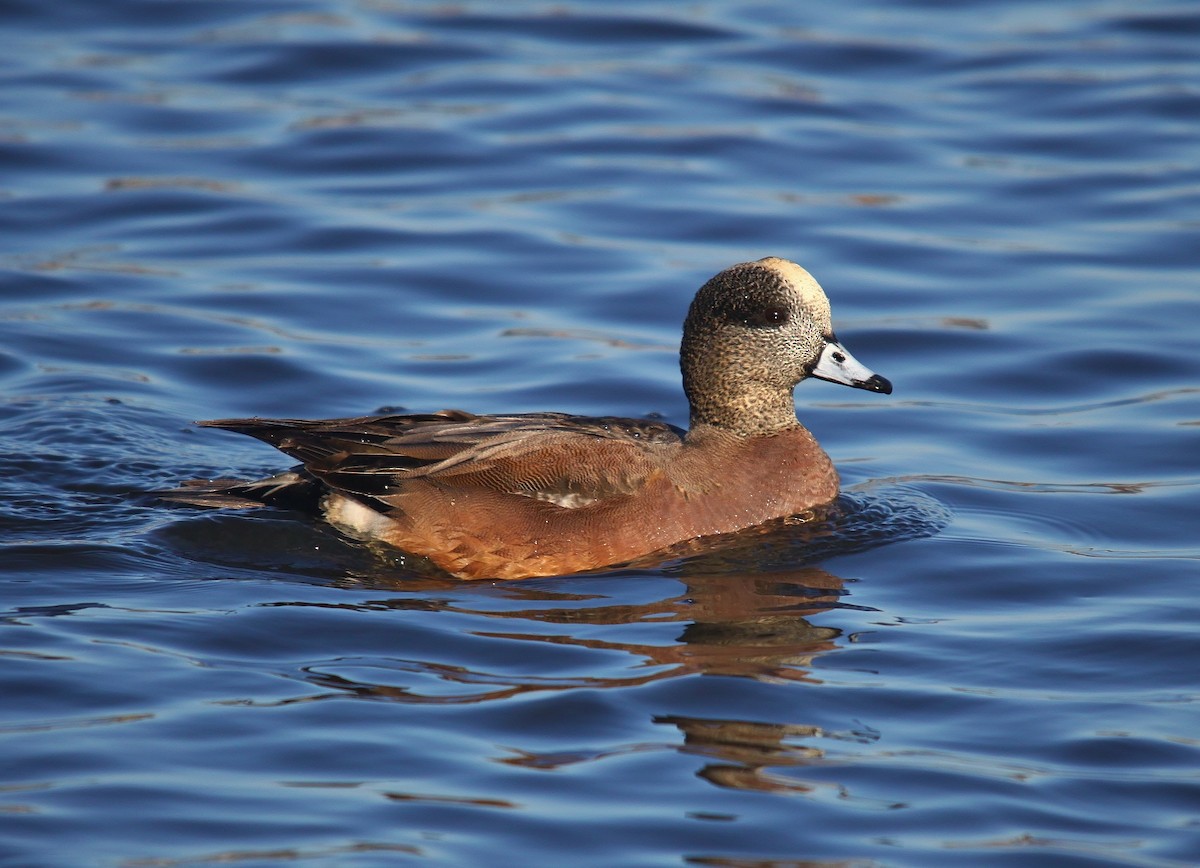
[811, 294]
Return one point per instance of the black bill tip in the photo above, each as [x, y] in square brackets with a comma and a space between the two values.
[876, 383]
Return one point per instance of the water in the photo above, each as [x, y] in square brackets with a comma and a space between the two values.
[320, 209]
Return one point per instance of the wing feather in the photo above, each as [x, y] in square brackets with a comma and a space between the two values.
[568, 460]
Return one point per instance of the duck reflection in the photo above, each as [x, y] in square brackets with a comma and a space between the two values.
[748, 625]
[743, 754]
[739, 754]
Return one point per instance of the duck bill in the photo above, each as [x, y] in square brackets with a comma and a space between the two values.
[838, 366]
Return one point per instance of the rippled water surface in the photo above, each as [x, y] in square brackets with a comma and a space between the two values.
[988, 656]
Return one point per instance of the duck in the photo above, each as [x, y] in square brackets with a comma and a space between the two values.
[549, 494]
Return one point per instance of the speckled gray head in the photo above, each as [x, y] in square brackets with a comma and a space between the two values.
[752, 333]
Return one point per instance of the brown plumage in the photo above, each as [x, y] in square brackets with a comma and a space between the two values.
[506, 497]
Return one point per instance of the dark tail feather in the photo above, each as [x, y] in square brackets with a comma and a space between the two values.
[294, 489]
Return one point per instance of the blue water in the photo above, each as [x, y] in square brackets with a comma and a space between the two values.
[323, 208]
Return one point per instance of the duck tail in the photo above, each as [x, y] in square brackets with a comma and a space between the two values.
[294, 489]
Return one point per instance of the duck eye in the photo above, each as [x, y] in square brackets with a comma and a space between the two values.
[767, 317]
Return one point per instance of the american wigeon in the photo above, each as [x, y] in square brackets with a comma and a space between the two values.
[508, 497]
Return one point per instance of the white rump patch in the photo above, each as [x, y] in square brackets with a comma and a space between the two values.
[354, 518]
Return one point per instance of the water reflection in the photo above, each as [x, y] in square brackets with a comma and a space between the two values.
[749, 625]
[752, 625]
[742, 751]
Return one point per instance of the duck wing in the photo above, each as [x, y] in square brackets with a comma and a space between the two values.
[567, 460]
